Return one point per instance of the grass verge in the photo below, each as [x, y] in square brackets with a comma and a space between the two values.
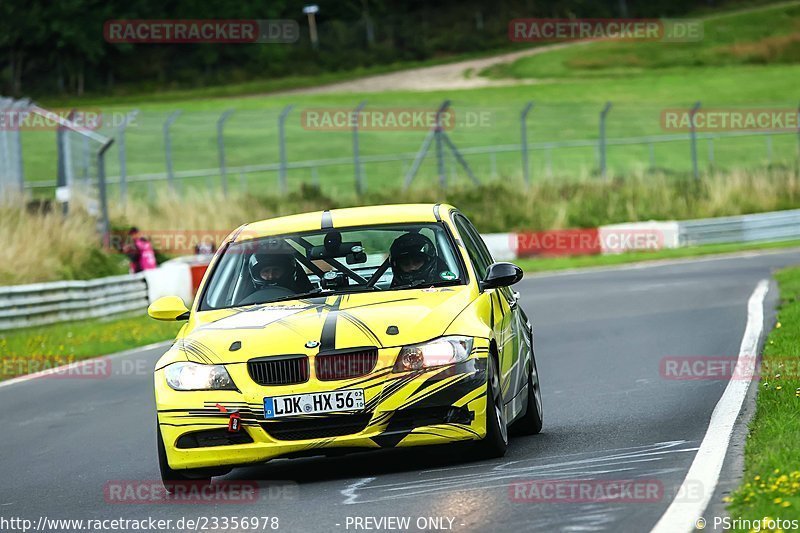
[771, 484]
[544, 264]
[29, 350]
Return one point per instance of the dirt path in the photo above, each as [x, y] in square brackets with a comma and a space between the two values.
[454, 75]
[435, 78]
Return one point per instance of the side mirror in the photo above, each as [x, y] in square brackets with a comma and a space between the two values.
[501, 275]
[168, 308]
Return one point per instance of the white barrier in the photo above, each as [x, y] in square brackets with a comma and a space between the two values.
[172, 278]
[48, 303]
[639, 236]
[503, 246]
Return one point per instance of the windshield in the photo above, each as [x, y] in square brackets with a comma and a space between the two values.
[333, 261]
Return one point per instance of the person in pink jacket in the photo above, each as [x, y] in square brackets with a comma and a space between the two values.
[140, 251]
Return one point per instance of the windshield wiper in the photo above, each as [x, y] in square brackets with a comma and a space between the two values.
[322, 292]
[427, 284]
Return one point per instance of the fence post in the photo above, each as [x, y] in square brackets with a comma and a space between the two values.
[168, 148]
[693, 137]
[23, 105]
[711, 153]
[797, 165]
[282, 147]
[62, 172]
[356, 154]
[101, 182]
[602, 145]
[123, 157]
[523, 117]
[5, 156]
[223, 171]
[440, 145]
[85, 161]
[440, 162]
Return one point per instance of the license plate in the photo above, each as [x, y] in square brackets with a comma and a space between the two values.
[318, 402]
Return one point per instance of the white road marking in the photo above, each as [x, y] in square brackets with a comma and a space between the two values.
[82, 362]
[707, 464]
[639, 461]
[350, 491]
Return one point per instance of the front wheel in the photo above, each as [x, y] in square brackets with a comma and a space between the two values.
[174, 478]
[495, 443]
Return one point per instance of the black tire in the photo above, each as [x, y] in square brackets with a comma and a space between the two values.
[531, 422]
[172, 478]
[495, 443]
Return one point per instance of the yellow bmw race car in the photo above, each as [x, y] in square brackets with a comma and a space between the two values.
[322, 333]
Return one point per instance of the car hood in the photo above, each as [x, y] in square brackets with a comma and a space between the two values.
[309, 326]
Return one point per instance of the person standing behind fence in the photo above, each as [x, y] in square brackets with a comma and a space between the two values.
[140, 251]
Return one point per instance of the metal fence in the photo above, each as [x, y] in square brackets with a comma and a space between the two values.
[47, 303]
[776, 226]
[78, 169]
[273, 149]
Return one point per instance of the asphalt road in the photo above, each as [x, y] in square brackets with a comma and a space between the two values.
[609, 414]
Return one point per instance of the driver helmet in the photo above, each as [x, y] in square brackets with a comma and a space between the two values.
[413, 258]
[280, 261]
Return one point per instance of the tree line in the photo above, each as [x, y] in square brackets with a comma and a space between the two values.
[58, 47]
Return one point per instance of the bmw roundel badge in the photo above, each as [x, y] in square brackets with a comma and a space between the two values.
[312, 344]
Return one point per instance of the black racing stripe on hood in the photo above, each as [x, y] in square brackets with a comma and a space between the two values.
[327, 340]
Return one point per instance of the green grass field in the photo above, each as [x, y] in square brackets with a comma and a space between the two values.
[29, 350]
[771, 485]
[746, 59]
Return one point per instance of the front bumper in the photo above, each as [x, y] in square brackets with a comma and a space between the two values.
[433, 406]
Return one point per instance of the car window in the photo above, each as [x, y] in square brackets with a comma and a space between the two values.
[333, 261]
[479, 261]
[483, 250]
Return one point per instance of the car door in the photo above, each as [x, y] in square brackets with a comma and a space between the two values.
[504, 311]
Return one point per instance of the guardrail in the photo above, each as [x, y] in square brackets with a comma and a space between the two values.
[775, 226]
[47, 303]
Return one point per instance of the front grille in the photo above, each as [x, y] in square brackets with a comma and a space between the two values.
[351, 364]
[279, 370]
[316, 427]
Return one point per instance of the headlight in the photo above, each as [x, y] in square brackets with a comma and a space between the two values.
[438, 352]
[194, 376]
